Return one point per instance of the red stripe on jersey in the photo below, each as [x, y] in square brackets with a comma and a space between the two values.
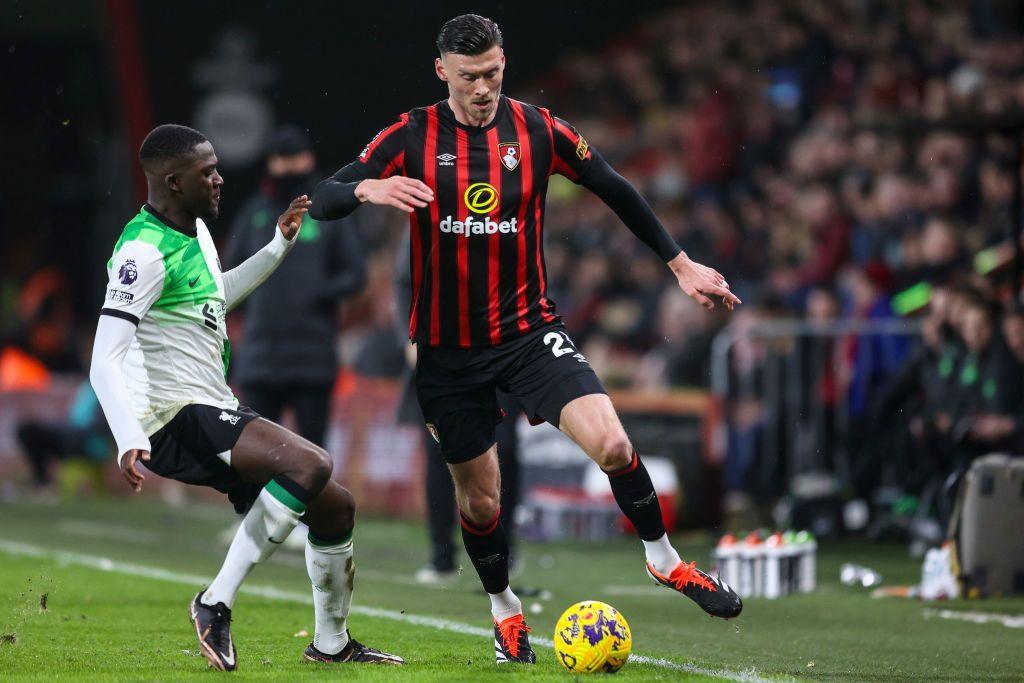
[560, 165]
[417, 271]
[381, 137]
[461, 183]
[566, 170]
[526, 178]
[545, 307]
[394, 165]
[551, 137]
[430, 179]
[494, 242]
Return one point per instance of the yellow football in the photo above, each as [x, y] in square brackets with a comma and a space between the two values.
[592, 637]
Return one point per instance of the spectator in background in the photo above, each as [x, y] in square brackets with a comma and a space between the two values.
[80, 433]
[46, 321]
[871, 359]
[989, 382]
[287, 357]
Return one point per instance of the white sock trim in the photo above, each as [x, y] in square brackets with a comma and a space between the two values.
[504, 605]
[661, 554]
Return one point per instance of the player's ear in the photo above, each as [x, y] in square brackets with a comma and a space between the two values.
[439, 69]
[173, 182]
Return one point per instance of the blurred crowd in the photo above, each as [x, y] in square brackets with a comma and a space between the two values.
[777, 141]
[836, 162]
[960, 394]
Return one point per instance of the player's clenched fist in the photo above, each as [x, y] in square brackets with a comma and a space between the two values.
[407, 194]
[291, 219]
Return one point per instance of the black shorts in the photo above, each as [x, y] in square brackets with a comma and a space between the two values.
[195, 448]
[456, 386]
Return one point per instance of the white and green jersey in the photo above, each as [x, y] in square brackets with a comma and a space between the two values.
[167, 280]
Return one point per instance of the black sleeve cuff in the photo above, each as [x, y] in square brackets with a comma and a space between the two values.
[333, 199]
[115, 313]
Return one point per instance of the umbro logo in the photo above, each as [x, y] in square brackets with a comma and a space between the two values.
[446, 159]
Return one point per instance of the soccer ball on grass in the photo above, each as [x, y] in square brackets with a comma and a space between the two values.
[591, 637]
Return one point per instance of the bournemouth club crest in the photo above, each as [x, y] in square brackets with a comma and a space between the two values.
[509, 153]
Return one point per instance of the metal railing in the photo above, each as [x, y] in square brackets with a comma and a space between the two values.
[793, 392]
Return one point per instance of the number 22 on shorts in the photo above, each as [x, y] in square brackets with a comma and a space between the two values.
[561, 345]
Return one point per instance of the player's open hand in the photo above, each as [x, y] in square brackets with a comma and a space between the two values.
[131, 473]
[291, 219]
[407, 194]
[701, 283]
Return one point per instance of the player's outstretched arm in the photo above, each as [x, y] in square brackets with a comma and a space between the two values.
[698, 281]
[242, 280]
[375, 177]
[334, 198]
[407, 194]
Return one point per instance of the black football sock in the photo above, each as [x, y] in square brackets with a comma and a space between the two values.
[487, 547]
[634, 492]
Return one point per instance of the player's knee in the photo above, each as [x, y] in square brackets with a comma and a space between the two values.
[316, 466]
[614, 451]
[481, 506]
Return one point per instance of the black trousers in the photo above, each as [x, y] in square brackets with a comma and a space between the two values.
[46, 442]
[442, 515]
[310, 403]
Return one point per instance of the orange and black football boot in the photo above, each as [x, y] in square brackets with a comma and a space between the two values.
[511, 644]
[713, 595]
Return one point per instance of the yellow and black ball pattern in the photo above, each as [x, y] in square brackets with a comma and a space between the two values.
[592, 637]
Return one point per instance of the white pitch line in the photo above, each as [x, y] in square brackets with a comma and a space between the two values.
[1007, 620]
[112, 532]
[270, 593]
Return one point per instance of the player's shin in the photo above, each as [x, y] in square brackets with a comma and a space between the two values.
[487, 547]
[634, 492]
[332, 572]
[265, 527]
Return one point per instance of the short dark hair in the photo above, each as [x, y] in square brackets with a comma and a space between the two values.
[468, 34]
[169, 141]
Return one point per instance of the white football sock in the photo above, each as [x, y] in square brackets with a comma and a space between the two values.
[662, 555]
[332, 572]
[504, 605]
[267, 524]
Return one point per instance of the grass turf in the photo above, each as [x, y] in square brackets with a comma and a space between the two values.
[108, 625]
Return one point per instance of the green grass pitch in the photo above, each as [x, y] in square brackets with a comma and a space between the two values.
[118, 575]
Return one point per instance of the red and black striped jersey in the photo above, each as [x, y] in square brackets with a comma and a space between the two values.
[477, 259]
